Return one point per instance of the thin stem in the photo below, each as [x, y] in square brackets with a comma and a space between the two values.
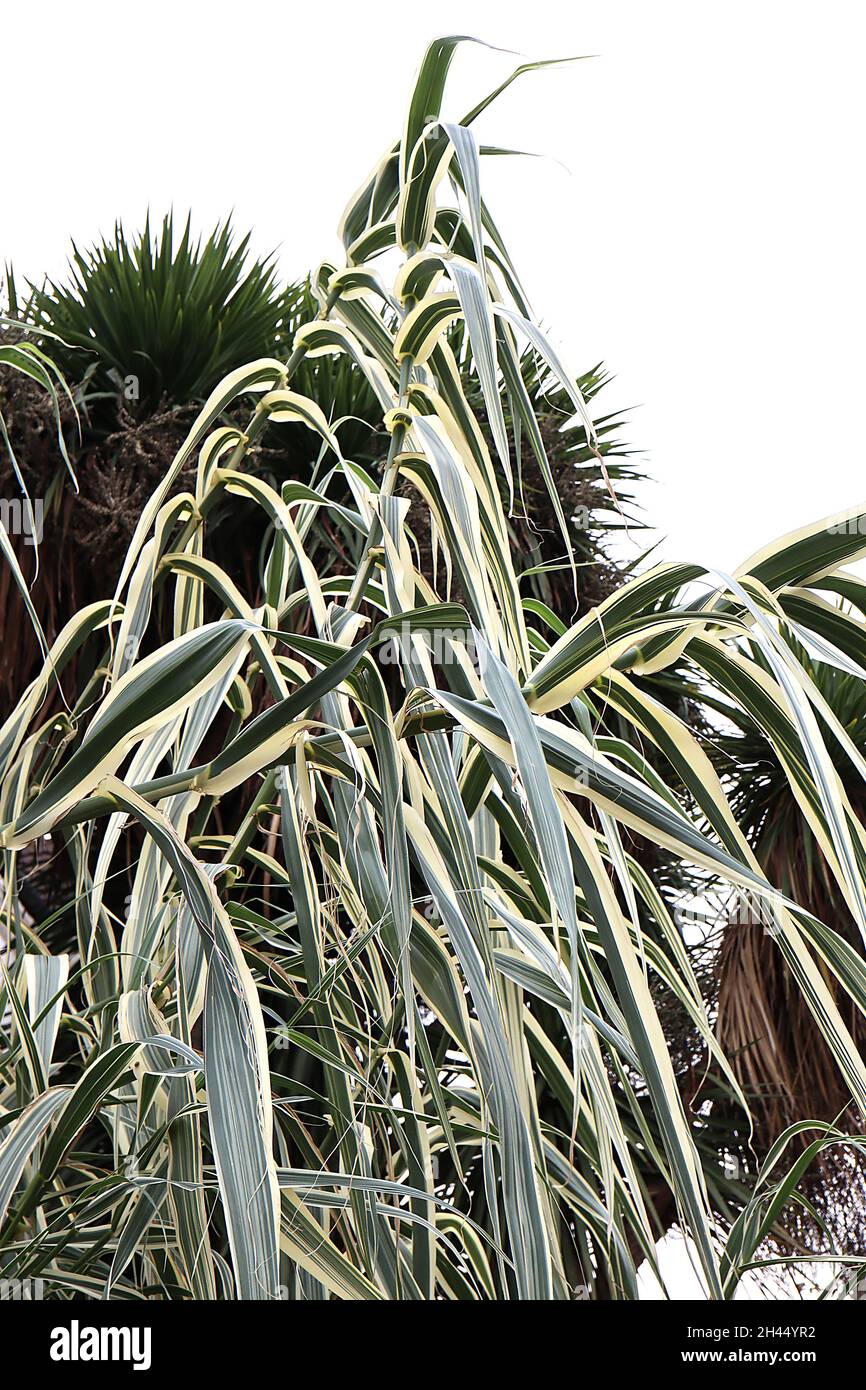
[389, 482]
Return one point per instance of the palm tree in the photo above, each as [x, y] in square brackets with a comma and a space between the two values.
[781, 1061]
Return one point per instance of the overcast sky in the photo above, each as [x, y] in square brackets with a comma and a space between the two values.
[705, 237]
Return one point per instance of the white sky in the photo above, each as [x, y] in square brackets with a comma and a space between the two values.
[707, 241]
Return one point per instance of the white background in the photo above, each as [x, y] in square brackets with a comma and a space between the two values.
[705, 237]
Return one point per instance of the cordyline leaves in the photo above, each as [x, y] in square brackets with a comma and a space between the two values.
[377, 1018]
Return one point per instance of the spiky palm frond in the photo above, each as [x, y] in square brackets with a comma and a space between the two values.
[156, 318]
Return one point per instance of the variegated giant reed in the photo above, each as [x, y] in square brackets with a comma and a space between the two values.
[356, 993]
